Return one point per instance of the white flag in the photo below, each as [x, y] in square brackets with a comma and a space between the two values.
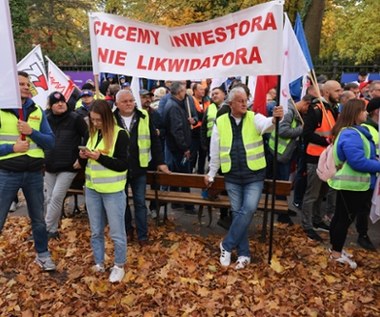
[34, 65]
[58, 81]
[295, 64]
[10, 91]
[135, 87]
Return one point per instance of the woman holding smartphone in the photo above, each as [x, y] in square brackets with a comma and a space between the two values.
[106, 173]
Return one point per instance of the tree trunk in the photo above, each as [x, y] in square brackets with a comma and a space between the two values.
[313, 26]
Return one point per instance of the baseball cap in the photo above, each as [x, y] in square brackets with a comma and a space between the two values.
[144, 92]
[86, 93]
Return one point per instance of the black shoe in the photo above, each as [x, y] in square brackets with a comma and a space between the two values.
[292, 213]
[225, 222]
[321, 227]
[365, 243]
[285, 218]
[53, 235]
[311, 234]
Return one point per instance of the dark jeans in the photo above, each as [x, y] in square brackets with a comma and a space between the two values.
[348, 205]
[197, 154]
[138, 186]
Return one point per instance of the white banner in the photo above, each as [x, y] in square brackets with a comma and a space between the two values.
[247, 42]
[295, 64]
[10, 91]
[58, 81]
[34, 65]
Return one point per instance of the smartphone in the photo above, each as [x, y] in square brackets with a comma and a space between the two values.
[83, 148]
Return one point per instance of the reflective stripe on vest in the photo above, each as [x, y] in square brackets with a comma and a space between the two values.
[143, 139]
[347, 178]
[282, 142]
[211, 115]
[9, 133]
[252, 140]
[324, 131]
[375, 135]
[100, 178]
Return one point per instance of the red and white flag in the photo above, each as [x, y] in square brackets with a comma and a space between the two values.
[294, 62]
[10, 92]
[34, 65]
[58, 81]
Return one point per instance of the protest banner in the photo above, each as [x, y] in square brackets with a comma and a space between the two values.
[247, 42]
[34, 65]
[58, 81]
[10, 92]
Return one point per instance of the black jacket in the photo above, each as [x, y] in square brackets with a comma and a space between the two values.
[70, 131]
[178, 131]
[134, 168]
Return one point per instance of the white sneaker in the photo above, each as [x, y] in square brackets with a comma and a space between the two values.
[242, 262]
[343, 259]
[117, 274]
[98, 268]
[225, 256]
[13, 207]
[153, 213]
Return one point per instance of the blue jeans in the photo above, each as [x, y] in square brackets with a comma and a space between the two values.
[244, 200]
[102, 208]
[32, 185]
[138, 186]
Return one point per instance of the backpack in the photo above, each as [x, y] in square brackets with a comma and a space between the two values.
[326, 168]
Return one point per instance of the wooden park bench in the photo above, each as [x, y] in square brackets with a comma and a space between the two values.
[215, 197]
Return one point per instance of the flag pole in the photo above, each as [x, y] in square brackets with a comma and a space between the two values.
[277, 120]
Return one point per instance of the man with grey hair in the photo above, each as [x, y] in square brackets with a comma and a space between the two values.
[237, 148]
[374, 89]
[143, 141]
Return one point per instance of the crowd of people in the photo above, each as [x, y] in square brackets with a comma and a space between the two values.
[189, 128]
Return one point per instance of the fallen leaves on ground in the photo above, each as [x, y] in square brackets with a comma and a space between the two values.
[179, 275]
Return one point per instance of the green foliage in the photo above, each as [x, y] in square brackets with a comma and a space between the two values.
[351, 31]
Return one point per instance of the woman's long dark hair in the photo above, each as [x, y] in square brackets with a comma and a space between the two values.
[349, 115]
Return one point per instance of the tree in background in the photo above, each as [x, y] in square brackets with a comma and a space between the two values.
[351, 31]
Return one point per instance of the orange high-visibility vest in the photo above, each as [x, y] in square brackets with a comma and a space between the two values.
[325, 131]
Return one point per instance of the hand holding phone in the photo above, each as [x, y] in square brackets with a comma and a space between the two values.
[83, 148]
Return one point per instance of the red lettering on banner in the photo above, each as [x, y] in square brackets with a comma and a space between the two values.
[131, 33]
[111, 56]
[239, 57]
[96, 25]
[208, 37]
[175, 65]
[270, 22]
[228, 59]
[118, 31]
[255, 56]
[222, 34]
[255, 25]
[232, 28]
